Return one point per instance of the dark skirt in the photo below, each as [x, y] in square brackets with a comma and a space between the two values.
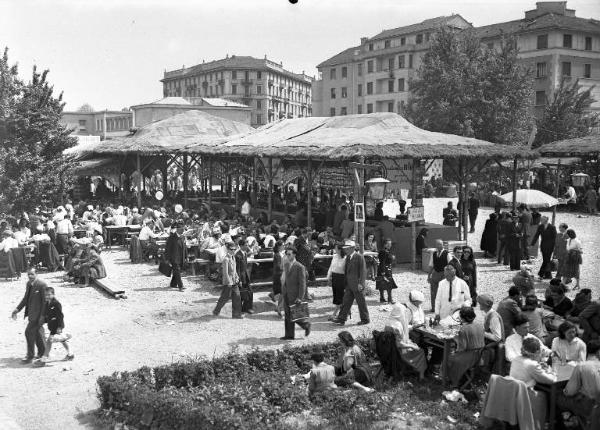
[384, 283]
[276, 283]
[338, 282]
[572, 263]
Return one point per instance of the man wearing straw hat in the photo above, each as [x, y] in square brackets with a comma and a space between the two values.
[356, 275]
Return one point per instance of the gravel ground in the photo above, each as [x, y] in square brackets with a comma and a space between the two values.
[156, 325]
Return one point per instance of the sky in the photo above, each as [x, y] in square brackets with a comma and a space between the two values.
[112, 53]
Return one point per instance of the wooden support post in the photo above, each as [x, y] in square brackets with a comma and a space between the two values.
[416, 169]
[556, 191]
[253, 186]
[165, 173]
[270, 191]
[186, 173]
[237, 191]
[138, 186]
[210, 177]
[514, 184]
[360, 198]
[309, 194]
[463, 198]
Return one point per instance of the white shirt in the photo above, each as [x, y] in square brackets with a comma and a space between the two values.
[269, 241]
[146, 233]
[514, 342]
[460, 297]
[64, 226]
[569, 351]
[245, 210]
[8, 243]
[120, 220]
[338, 265]
[415, 315]
[574, 244]
[571, 194]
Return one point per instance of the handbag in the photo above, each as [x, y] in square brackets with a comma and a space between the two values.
[299, 311]
[165, 268]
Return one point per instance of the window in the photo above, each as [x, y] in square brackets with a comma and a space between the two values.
[370, 108]
[258, 104]
[410, 61]
[541, 70]
[427, 37]
[344, 92]
[587, 71]
[233, 89]
[588, 43]
[390, 86]
[332, 74]
[233, 75]
[401, 84]
[333, 93]
[391, 63]
[401, 64]
[540, 98]
[344, 72]
[542, 41]
[391, 107]
[402, 41]
[332, 112]
[567, 41]
[369, 87]
[359, 109]
[359, 90]
[259, 118]
[566, 68]
[259, 89]
[370, 66]
[82, 123]
[419, 39]
[359, 69]
[344, 111]
[387, 44]
[259, 75]
[370, 46]
[490, 45]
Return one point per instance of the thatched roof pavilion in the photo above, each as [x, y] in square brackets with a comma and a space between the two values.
[382, 135]
[587, 146]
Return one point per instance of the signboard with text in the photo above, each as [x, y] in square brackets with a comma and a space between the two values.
[416, 213]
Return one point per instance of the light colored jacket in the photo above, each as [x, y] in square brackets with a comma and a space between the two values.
[230, 275]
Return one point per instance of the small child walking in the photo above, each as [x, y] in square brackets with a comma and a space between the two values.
[56, 325]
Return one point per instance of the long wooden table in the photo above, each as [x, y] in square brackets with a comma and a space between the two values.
[441, 337]
[563, 373]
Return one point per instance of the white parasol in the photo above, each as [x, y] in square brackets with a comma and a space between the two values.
[532, 198]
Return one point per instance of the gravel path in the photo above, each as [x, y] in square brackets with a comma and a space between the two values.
[156, 325]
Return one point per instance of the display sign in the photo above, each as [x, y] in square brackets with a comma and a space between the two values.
[416, 213]
[359, 212]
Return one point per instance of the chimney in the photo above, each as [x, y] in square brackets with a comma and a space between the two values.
[363, 40]
[265, 56]
[226, 56]
[546, 7]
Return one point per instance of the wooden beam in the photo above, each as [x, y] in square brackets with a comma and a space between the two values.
[309, 194]
[139, 188]
[270, 190]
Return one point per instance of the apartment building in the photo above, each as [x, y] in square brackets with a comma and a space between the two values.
[271, 91]
[374, 76]
[105, 123]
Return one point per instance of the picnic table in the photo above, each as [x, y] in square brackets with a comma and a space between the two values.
[440, 336]
[563, 372]
[120, 230]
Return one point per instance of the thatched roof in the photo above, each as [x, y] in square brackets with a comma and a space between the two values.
[169, 135]
[577, 147]
[385, 135]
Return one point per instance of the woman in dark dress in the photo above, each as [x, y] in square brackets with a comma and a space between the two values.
[385, 280]
[489, 238]
[275, 295]
[469, 268]
[420, 246]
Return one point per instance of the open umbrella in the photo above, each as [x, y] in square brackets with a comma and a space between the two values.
[532, 198]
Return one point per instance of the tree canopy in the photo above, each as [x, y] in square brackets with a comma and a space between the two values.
[467, 89]
[567, 114]
[32, 168]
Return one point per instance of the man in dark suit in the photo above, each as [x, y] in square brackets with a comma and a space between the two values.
[356, 275]
[34, 302]
[473, 203]
[176, 253]
[525, 220]
[293, 291]
[548, 234]
[514, 242]
[241, 266]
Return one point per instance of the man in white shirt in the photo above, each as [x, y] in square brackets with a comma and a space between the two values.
[146, 233]
[8, 242]
[452, 294]
[514, 342]
[571, 195]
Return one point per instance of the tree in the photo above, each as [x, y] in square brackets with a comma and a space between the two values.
[86, 107]
[466, 89]
[32, 167]
[567, 115]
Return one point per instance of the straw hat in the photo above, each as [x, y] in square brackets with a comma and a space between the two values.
[349, 243]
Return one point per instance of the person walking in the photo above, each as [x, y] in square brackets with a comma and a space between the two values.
[439, 260]
[294, 291]
[525, 221]
[34, 302]
[231, 281]
[573, 260]
[547, 233]
[275, 295]
[336, 275]
[241, 266]
[175, 254]
[473, 203]
[560, 249]
[356, 275]
[489, 236]
[514, 242]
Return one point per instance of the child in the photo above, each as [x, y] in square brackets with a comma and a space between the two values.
[55, 321]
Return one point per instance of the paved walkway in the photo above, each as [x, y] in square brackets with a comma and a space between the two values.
[7, 423]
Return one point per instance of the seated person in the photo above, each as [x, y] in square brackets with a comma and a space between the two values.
[534, 314]
[414, 309]
[469, 341]
[146, 235]
[322, 375]
[567, 347]
[492, 322]
[509, 308]
[589, 321]
[514, 342]
[352, 369]
[581, 301]
[527, 368]
[582, 392]
[524, 280]
[557, 302]
[93, 267]
[409, 351]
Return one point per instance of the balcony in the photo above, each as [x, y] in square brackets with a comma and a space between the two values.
[247, 82]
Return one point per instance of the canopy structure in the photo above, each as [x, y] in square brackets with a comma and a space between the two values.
[531, 198]
[587, 146]
[380, 135]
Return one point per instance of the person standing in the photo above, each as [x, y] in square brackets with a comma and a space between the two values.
[294, 291]
[455, 261]
[385, 280]
[34, 302]
[473, 210]
[547, 233]
[560, 249]
[275, 295]
[241, 266]
[489, 237]
[525, 221]
[514, 242]
[504, 226]
[453, 293]
[356, 275]
[440, 259]
[175, 253]
[449, 215]
[591, 200]
[231, 283]
[509, 308]
[64, 231]
[336, 275]
[573, 260]
[420, 246]
[469, 271]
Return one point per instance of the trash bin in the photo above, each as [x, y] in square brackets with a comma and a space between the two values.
[427, 258]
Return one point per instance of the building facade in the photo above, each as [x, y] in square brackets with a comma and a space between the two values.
[106, 124]
[374, 76]
[265, 86]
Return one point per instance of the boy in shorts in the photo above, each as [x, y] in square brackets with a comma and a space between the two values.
[56, 325]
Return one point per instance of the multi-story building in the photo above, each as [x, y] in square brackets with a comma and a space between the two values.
[106, 123]
[556, 45]
[271, 91]
[374, 76]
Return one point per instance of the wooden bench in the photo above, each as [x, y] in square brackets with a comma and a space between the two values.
[110, 288]
[199, 261]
